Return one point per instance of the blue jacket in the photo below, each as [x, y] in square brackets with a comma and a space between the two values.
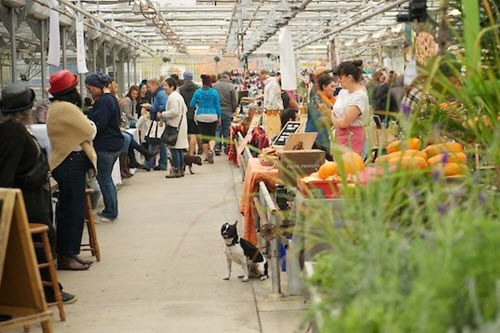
[313, 123]
[106, 116]
[208, 101]
[160, 101]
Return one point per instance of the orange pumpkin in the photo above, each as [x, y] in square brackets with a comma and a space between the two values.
[453, 157]
[352, 162]
[409, 162]
[437, 149]
[327, 169]
[398, 154]
[394, 146]
[412, 143]
[454, 169]
[423, 154]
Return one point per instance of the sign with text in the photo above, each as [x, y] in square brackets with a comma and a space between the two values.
[290, 128]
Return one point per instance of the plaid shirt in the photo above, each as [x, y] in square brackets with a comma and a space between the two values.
[415, 101]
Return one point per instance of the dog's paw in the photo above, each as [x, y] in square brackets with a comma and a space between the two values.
[263, 277]
[245, 279]
[225, 278]
[241, 276]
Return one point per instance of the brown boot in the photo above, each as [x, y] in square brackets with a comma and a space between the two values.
[124, 168]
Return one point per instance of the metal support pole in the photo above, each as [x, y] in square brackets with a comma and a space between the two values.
[94, 55]
[105, 65]
[82, 80]
[43, 61]
[120, 76]
[64, 42]
[113, 55]
[135, 71]
[128, 72]
[13, 55]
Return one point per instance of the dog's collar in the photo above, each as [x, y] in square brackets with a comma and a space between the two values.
[234, 242]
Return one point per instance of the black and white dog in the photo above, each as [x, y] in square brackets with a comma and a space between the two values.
[244, 253]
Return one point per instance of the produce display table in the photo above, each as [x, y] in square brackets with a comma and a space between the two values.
[306, 213]
[254, 174]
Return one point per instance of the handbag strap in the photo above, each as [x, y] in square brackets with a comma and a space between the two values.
[180, 122]
[150, 127]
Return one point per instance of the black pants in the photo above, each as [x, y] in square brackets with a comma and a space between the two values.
[70, 210]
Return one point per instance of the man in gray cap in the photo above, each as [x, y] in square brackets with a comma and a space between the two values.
[228, 105]
[187, 91]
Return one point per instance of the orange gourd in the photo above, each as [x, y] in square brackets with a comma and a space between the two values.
[453, 157]
[437, 149]
[327, 169]
[409, 162]
[352, 162]
[423, 154]
[454, 169]
[398, 154]
[412, 143]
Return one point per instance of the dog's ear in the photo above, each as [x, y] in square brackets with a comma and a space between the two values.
[235, 223]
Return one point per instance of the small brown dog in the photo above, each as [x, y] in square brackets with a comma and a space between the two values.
[189, 160]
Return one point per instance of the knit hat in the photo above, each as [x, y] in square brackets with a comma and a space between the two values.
[98, 79]
[188, 76]
[15, 98]
[62, 81]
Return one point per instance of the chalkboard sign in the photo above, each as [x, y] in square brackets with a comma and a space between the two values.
[290, 128]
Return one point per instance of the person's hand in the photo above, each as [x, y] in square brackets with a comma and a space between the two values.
[219, 121]
[121, 102]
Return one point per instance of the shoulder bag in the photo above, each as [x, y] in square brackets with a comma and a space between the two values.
[171, 133]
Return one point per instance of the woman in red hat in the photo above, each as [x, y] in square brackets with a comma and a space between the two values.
[73, 154]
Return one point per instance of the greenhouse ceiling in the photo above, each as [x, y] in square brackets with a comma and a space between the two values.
[234, 27]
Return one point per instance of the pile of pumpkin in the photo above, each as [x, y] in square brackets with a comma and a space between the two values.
[351, 161]
[447, 158]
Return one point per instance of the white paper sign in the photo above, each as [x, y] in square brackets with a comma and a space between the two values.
[80, 48]
[287, 61]
[54, 57]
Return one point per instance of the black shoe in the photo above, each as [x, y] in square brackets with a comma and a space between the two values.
[66, 298]
[5, 318]
[200, 151]
[157, 168]
[217, 152]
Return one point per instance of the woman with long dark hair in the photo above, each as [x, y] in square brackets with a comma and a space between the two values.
[129, 107]
[70, 134]
[208, 115]
[351, 110]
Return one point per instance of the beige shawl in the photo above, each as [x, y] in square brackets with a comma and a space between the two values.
[68, 128]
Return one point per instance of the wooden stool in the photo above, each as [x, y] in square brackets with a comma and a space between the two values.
[93, 245]
[42, 230]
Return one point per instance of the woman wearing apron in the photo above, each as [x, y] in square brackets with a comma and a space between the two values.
[351, 110]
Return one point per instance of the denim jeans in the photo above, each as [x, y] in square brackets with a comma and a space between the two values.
[70, 211]
[105, 162]
[177, 158]
[163, 162]
[126, 142]
[223, 129]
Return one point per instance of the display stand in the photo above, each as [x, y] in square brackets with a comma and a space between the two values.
[21, 294]
[272, 123]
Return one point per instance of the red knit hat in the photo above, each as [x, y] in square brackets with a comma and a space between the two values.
[62, 81]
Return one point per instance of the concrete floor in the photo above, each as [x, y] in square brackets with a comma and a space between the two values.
[163, 262]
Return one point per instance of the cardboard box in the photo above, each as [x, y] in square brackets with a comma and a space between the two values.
[295, 163]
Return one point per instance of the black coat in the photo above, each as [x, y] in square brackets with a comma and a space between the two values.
[18, 155]
[187, 91]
